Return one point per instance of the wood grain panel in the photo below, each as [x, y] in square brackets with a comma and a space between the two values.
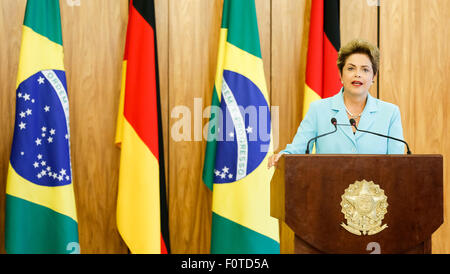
[289, 48]
[359, 20]
[11, 18]
[415, 69]
[94, 39]
[290, 29]
[263, 13]
[193, 38]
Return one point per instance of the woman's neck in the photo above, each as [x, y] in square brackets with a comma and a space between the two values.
[355, 104]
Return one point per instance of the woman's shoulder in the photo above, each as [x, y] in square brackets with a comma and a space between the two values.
[386, 106]
[322, 103]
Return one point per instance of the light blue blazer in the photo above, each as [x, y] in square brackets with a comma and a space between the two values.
[378, 116]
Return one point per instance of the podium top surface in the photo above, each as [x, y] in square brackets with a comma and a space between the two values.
[365, 155]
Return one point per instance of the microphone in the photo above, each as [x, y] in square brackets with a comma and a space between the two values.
[353, 123]
[334, 122]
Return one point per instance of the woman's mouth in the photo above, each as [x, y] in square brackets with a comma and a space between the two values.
[357, 83]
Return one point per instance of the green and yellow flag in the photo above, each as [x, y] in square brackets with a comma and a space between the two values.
[40, 204]
[240, 140]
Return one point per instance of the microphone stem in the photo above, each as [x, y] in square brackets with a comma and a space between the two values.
[315, 138]
[389, 137]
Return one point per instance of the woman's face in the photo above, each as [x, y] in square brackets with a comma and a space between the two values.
[357, 74]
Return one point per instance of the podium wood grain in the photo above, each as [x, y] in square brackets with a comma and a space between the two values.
[314, 186]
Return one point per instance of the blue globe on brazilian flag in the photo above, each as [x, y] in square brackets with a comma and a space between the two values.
[240, 140]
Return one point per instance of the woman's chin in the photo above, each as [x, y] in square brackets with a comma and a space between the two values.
[356, 91]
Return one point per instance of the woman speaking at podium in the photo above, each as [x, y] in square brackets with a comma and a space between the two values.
[358, 63]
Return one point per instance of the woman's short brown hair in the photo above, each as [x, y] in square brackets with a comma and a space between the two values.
[359, 46]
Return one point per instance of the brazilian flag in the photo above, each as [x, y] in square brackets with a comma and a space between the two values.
[40, 204]
[240, 140]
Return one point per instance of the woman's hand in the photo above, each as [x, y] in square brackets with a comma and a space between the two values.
[273, 160]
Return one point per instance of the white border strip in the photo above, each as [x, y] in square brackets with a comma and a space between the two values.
[64, 99]
[239, 125]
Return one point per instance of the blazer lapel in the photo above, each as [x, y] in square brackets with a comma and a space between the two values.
[337, 104]
[368, 116]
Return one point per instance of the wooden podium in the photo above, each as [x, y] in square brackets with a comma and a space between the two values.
[310, 193]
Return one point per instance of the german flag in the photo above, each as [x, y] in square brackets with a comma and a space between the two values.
[322, 75]
[142, 218]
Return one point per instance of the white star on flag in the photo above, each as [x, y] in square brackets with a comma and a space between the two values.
[41, 80]
[225, 170]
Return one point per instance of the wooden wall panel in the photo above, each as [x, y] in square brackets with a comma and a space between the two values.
[290, 28]
[359, 20]
[263, 13]
[94, 39]
[289, 48]
[193, 38]
[11, 18]
[415, 69]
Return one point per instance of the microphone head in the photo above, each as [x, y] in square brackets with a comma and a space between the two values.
[333, 121]
[352, 122]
